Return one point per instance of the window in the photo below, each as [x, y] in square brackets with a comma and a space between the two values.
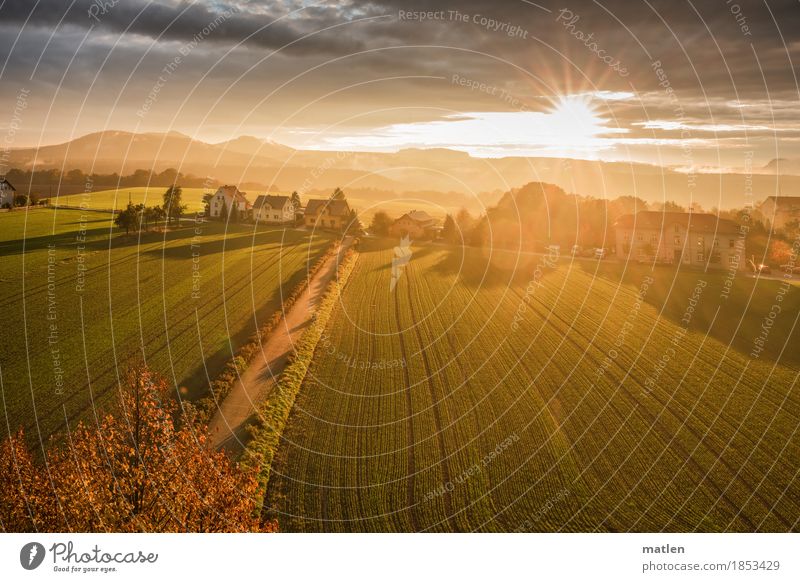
[640, 237]
[731, 243]
[677, 228]
[733, 260]
[677, 241]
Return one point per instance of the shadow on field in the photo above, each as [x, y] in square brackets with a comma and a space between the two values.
[740, 313]
[482, 268]
[197, 382]
[59, 240]
[233, 241]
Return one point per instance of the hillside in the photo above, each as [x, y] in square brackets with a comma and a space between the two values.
[249, 159]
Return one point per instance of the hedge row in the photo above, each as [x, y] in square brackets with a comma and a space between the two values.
[273, 413]
[222, 385]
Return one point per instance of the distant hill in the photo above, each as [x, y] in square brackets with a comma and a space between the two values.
[783, 166]
[250, 159]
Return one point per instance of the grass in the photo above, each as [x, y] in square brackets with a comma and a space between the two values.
[193, 198]
[273, 413]
[503, 395]
[118, 199]
[183, 301]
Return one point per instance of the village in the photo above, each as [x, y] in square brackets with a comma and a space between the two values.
[689, 239]
[685, 239]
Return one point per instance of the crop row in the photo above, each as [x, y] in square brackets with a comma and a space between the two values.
[547, 425]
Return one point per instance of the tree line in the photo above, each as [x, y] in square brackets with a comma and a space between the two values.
[540, 214]
[139, 178]
[138, 217]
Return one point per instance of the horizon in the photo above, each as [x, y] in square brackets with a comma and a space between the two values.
[536, 80]
[760, 164]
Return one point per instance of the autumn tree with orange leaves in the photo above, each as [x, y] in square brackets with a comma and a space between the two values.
[145, 469]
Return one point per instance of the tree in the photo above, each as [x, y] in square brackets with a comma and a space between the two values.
[465, 221]
[380, 223]
[296, 203]
[157, 214]
[173, 204]
[338, 194]
[450, 233]
[147, 468]
[126, 218]
[780, 252]
[223, 212]
[670, 206]
[207, 203]
[479, 235]
[21, 200]
[792, 229]
[354, 225]
[234, 214]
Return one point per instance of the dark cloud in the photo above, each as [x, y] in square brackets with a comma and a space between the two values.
[711, 54]
[184, 21]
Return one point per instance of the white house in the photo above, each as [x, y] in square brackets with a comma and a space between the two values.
[269, 209]
[226, 197]
[7, 193]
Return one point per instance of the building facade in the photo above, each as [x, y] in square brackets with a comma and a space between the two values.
[7, 193]
[268, 209]
[327, 214]
[224, 200]
[680, 238]
[416, 224]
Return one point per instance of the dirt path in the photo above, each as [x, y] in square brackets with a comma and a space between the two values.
[227, 426]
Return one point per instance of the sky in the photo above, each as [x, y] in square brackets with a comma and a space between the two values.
[701, 85]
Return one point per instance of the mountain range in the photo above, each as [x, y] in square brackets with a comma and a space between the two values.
[277, 166]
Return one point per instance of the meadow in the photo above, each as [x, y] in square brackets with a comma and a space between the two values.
[118, 199]
[193, 198]
[81, 301]
[510, 393]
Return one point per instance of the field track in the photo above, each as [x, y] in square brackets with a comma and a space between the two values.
[227, 425]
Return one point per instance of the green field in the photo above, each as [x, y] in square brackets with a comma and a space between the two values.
[503, 395]
[118, 199]
[182, 301]
[193, 198]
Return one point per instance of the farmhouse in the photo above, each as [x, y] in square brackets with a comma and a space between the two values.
[268, 209]
[415, 224]
[781, 210]
[224, 200]
[686, 238]
[7, 193]
[332, 214]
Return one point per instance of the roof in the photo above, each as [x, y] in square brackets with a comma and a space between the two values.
[271, 201]
[336, 207]
[692, 221]
[419, 216]
[784, 200]
[4, 181]
[231, 191]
